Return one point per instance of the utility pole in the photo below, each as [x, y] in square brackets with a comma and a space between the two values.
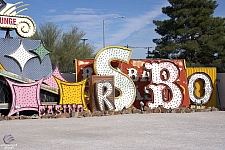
[149, 53]
[83, 42]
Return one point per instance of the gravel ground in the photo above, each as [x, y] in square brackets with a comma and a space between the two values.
[157, 131]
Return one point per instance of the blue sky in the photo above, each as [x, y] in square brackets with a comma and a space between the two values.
[136, 30]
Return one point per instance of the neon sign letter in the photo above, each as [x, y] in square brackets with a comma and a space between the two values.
[164, 75]
[123, 82]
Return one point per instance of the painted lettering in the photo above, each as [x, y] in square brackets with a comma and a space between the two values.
[7, 21]
[58, 109]
[133, 74]
[87, 71]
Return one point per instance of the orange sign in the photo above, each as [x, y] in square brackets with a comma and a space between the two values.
[164, 79]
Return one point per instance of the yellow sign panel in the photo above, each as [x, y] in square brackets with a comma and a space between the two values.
[199, 84]
[72, 92]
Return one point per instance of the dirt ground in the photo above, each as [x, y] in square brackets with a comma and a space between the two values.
[172, 131]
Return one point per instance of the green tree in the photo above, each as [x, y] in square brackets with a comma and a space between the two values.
[191, 33]
[65, 47]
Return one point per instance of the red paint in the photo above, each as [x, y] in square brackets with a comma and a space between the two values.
[7, 20]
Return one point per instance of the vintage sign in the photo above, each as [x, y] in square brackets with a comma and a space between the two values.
[115, 82]
[10, 19]
[122, 82]
[203, 89]
[59, 109]
[102, 93]
[157, 82]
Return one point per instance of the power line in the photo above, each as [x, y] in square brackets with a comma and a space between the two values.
[149, 53]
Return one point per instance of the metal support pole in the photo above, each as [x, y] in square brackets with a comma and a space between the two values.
[104, 29]
[83, 42]
[103, 33]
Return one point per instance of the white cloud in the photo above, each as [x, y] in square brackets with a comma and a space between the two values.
[133, 25]
[84, 11]
[52, 10]
[117, 30]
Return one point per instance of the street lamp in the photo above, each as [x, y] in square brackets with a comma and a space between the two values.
[104, 29]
